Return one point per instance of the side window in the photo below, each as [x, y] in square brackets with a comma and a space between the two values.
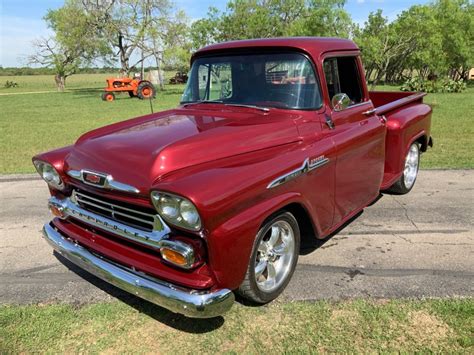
[215, 81]
[342, 76]
[203, 77]
[221, 81]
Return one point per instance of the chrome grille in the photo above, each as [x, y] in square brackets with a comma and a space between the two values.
[118, 211]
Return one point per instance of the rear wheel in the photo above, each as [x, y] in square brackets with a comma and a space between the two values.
[108, 96]
[410, 172]
[273, 260]
[146, 91]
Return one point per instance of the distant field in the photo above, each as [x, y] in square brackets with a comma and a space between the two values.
[32, 123]
[28, 83]
[401, 326]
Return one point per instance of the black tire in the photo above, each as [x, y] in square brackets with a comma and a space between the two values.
[249, 289]
[146, 90]
[108, 96]
[131, 94]
[401, 187]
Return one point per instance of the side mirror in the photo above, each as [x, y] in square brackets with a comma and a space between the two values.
[340, 102]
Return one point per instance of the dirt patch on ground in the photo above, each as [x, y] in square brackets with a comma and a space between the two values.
[425, 329]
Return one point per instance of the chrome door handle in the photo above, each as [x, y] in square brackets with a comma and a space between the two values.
[369, 112]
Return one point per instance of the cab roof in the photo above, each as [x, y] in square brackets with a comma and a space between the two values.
[315, 46]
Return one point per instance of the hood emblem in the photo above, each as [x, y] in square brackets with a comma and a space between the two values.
[101, 180]
[94, 178]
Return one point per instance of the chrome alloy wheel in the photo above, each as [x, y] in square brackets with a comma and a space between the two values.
[274, 256]
[412, 161]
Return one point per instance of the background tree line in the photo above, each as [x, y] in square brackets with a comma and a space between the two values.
[425, 42]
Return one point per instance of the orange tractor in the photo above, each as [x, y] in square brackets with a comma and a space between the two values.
[135, 87]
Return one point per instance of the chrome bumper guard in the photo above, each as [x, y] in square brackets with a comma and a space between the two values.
[191, 303]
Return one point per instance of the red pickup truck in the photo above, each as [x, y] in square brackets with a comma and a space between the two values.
[275, 141]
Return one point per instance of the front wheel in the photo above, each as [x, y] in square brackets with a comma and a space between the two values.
[273, 260]
[108, 96]
[410, 172]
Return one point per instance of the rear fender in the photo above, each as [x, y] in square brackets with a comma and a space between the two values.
[404, 126]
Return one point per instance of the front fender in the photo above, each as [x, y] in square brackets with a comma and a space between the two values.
[231, 243]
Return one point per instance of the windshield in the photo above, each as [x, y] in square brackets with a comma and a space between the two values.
[283, 80]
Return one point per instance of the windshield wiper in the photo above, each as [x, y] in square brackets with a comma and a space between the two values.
[202, 102]
[264, 109]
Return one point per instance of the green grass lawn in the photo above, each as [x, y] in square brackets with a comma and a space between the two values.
[32, 123]
[441, 326]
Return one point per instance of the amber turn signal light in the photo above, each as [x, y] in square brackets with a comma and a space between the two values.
[56, 211]
[173, 257]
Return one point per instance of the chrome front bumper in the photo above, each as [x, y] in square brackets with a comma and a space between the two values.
[191, 303]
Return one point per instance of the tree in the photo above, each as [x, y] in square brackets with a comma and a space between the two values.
[426, 58]
[382, 46]
[456, 26]
[323, 18]
[73, 44]
[244, 19]
[49, 53]
[425, 41]
[168, 40]
[134, 29]
[205, 30]
[177, 43]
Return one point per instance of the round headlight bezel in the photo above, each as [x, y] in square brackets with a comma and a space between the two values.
[159, 198]
[49, 174]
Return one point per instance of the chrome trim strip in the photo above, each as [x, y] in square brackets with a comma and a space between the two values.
[76, 174]
[360, 104]
[308, 165]
[152, 239]
[110, 183]
[191, 303]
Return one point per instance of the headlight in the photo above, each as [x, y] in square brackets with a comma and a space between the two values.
[176, 210]
[49, 174]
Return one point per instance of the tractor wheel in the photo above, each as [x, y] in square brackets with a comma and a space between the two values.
[146, 91]
[108, 96]
[131, 94]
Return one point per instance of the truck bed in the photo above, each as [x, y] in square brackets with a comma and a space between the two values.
[386, 101]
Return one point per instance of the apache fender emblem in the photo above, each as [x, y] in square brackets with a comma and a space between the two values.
[308, 165]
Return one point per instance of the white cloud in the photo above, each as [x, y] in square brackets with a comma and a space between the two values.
[16, 35]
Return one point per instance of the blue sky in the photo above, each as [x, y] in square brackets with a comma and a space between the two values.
[21, 20]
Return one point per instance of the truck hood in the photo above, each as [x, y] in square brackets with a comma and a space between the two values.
[144, 149]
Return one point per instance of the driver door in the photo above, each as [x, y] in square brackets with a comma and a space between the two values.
[358, 136]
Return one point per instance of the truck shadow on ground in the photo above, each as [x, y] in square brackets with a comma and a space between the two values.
[309, 243]
[177, 321]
